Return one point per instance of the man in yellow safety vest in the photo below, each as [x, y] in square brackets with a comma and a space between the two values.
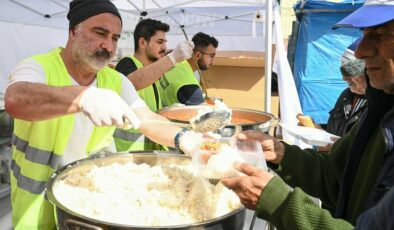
[66, 104]
[144, 68]
[179, 85]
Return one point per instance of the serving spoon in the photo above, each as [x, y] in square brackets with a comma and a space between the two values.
[205, 122]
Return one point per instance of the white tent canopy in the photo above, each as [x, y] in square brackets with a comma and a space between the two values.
[52, 13]
[31, 27]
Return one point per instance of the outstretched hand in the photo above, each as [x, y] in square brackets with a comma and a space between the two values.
[272, 148]
[248, 188]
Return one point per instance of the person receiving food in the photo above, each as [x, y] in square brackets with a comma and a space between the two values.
[179, 85]
[144, 68]
[358, 171]
[351, 103]
[66, 104]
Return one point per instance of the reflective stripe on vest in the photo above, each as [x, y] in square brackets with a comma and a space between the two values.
[27, 183]
[38, 146]
[140, 142]
[34, 154]
[125, 135]
[181, 75]
[132, 139]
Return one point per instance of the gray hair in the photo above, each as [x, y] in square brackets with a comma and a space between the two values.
[350, 65]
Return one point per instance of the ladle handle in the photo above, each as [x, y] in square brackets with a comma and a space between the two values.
[203, 85]
[77, 224]
[161, 122]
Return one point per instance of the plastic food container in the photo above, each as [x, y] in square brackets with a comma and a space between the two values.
[215, 160]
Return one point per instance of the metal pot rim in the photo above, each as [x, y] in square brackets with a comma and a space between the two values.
[52, 198]
[270, 115]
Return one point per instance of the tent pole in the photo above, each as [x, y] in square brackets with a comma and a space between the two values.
[268, 55]
[134, 5]
[173, 6]
[29, 8]
[222, 19]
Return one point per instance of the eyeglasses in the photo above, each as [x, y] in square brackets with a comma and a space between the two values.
[212, 55]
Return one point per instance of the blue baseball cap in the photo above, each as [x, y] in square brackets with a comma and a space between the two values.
[372, 13]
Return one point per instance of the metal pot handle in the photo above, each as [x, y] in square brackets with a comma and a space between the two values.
[76, 224]
[273, 124]
[265, 127]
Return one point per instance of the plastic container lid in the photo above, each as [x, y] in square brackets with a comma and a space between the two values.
[215, 160]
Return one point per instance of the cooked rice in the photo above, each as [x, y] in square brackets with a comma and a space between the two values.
[143, 195]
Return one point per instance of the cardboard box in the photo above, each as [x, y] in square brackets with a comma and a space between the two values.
[238, 78]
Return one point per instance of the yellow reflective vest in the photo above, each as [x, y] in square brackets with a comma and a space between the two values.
[132, 139]
[37, 148]
[181, 75]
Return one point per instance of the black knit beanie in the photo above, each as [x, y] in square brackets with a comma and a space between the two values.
[80, 10]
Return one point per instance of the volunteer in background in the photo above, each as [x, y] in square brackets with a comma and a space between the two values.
[144, 68]
[66, 104]
[180, 85]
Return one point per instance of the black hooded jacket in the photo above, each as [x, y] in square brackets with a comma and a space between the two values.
[380, 113]
[343, 116]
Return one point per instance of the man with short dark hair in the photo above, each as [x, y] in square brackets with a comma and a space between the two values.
[180, 85]
[205, 50]
[358, 171]
[144, 68]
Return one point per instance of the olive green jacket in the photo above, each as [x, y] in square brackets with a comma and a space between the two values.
[319, 175]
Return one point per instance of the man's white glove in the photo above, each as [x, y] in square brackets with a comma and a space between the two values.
[190, 142]
[183, 51]
[106, 108]
[177, 105]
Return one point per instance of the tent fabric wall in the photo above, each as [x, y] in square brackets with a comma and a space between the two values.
[30, 27]
[20, 41]
[317, 55]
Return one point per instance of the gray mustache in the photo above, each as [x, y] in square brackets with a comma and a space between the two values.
[102, 54]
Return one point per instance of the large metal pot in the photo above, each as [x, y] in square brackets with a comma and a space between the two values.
[242, 119]
[6, 122]
[69, 219]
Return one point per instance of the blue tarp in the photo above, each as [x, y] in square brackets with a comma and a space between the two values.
[318, 54]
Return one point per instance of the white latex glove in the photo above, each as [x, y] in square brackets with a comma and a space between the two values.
[177, 105]
[190, 142]
[106, 108]
[183, 51]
